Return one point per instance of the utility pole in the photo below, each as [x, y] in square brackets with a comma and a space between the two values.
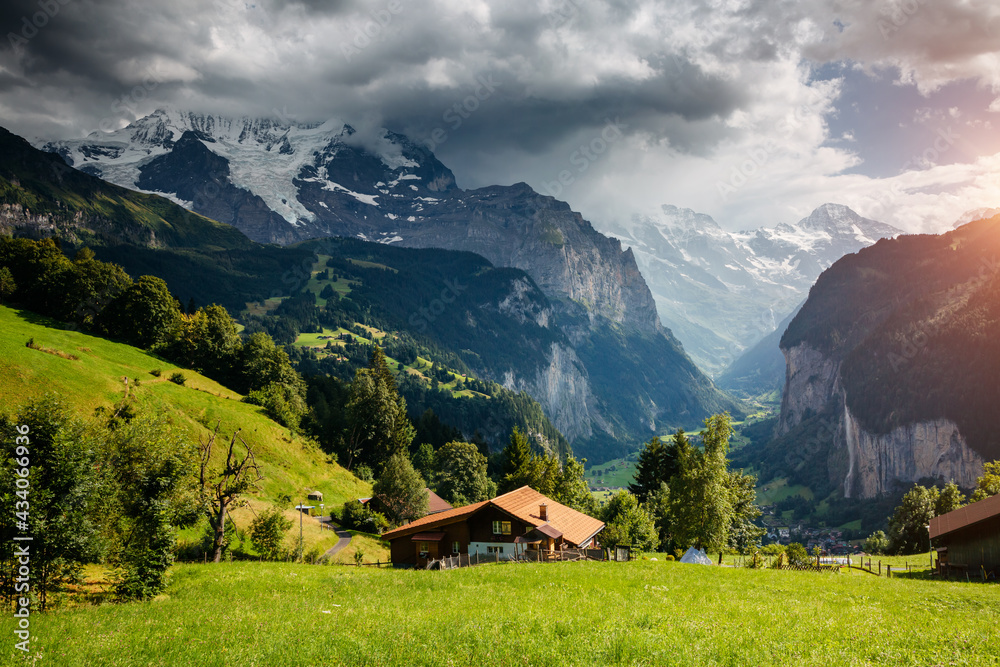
[301, 510]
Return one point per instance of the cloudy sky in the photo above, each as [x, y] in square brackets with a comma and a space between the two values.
[753, 111]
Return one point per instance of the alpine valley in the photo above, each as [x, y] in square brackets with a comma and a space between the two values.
[607, 373]
[722, 292]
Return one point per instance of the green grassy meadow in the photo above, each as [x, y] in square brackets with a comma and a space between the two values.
[318, 343]
[291, 464]
[639, 613]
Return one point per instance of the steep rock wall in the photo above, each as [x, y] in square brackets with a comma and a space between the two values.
[870, 464]
[907, 454]
[563, 390]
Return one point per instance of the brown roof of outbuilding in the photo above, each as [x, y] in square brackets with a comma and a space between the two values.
[523, 503]
[965, 516]
[436, 503]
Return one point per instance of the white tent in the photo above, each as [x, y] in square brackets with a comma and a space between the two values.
[696, 556]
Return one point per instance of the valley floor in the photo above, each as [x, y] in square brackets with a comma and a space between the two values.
[639, 613]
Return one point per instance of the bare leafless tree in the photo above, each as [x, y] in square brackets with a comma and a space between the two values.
[221, 489]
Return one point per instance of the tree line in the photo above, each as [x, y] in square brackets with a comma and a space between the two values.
[101, 298]
[686, 496]
[381, 442]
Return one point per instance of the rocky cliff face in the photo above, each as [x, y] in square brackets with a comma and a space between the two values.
[894, 358]
[562, 388]
[866, 464]
[907, 454]
[811, 380]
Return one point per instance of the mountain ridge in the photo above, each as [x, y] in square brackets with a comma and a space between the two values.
[386, 189]
[721, 292]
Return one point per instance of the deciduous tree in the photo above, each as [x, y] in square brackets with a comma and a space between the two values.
[401, 490]
[701, 502]
[268, 530]
[143, 315]
[949, 499]
[628, 523]
[907, 527]
[147, 491]
[51, 451]
[221, 489]
[989, 484]
[462, 474]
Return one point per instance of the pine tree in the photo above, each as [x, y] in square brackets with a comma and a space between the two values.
[657, 464]
[378, 426]
[516, 459]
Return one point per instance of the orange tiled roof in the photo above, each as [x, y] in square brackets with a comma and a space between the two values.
[522, 503]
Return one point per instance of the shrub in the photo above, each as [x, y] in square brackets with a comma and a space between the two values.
[668, 557]
[797, 554]
[280, 403]
[356, 516]
[267, 532]
[877, 544]
[313, 555]
[155, 372]
[178, 378]
[364, 473]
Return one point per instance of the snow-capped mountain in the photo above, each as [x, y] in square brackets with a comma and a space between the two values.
[274, 180]
[282, 182]
[721, 292]
[976, 214]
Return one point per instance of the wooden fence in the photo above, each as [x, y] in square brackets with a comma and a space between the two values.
[529, 556]
[816, 564]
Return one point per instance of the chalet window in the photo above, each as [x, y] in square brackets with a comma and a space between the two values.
[455, 546]
[501, 527]
[494, 550]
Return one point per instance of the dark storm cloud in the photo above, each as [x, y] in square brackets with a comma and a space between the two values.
[298, 55]
[695, 78]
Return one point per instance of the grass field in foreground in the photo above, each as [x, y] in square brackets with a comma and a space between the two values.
[640, 613]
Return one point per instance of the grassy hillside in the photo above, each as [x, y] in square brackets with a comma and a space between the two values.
[89, 373]
[639, 613]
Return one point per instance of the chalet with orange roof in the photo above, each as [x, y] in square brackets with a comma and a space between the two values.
[520, 520]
